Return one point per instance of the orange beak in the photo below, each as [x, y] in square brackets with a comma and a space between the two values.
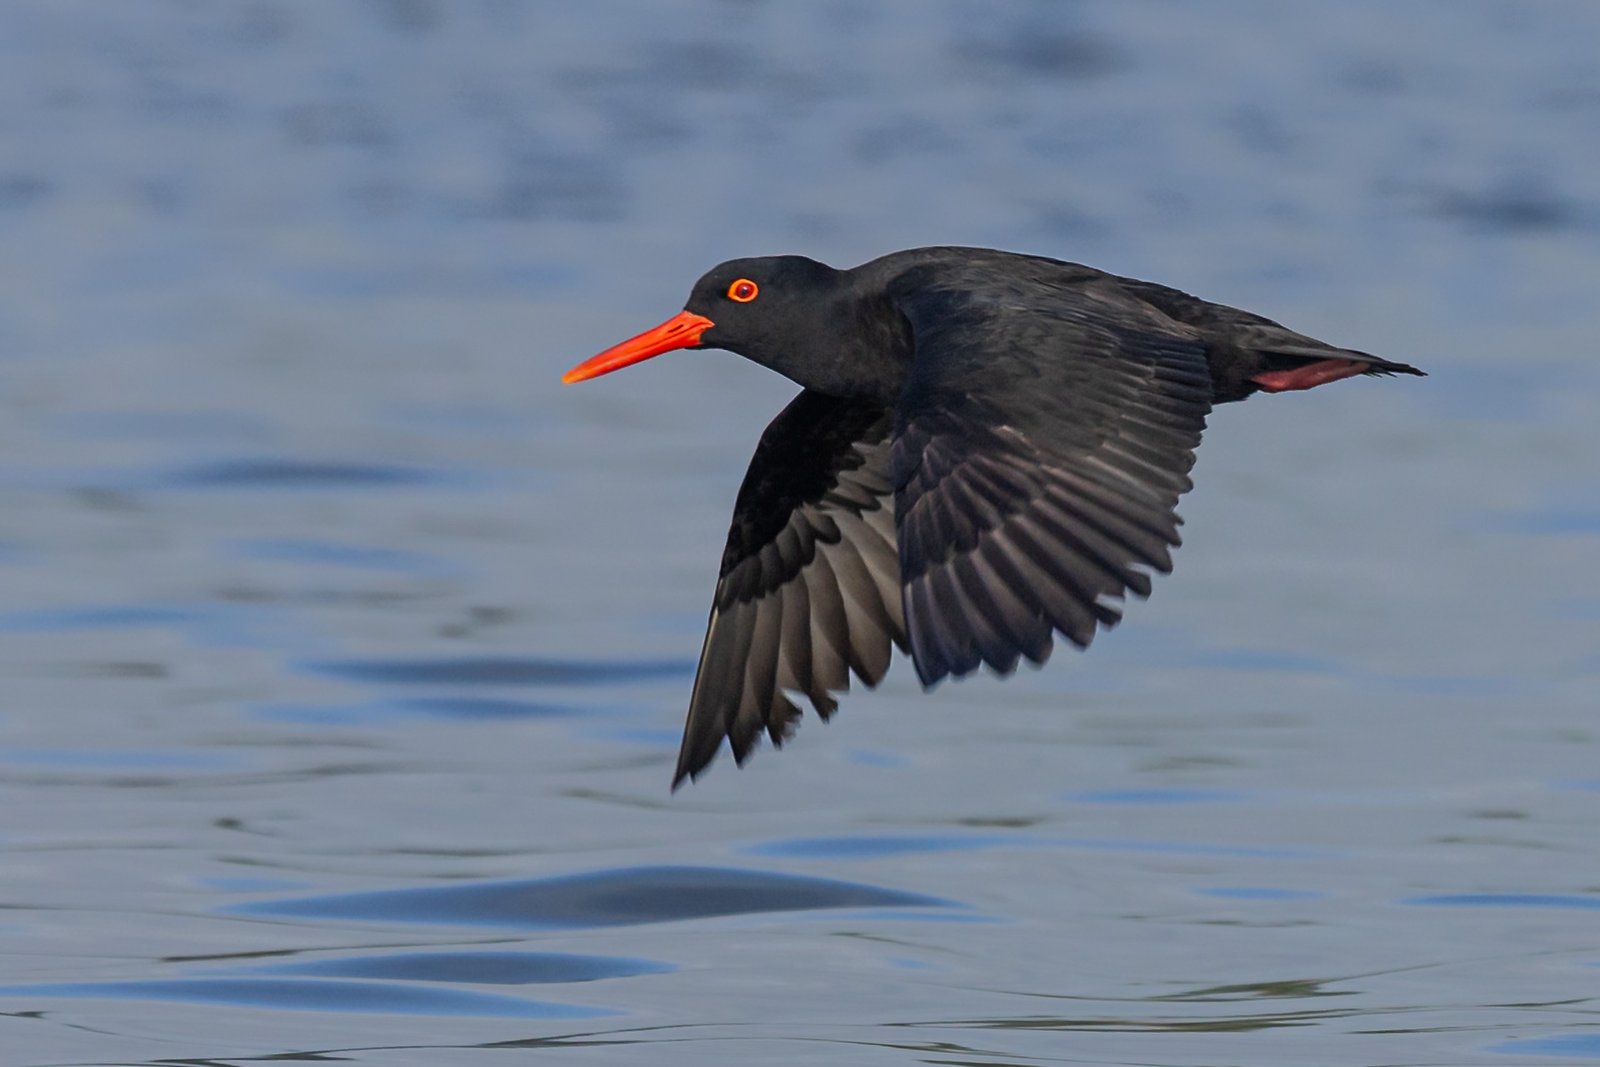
[683, 330]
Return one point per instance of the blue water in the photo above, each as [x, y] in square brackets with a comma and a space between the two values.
[343, 652]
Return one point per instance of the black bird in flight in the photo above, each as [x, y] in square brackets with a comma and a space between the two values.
[987, 449]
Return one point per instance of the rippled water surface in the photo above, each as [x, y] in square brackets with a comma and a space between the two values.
[343, 652]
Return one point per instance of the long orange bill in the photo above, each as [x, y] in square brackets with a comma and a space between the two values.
[683, 330]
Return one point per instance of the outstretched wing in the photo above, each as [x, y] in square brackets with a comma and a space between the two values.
[1044, 437]
[810, 584]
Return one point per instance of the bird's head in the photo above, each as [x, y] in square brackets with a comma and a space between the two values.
[773, 310]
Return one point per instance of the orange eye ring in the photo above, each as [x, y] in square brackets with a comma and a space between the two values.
[743, 291]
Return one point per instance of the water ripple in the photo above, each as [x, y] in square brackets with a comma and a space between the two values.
[442, 707]
[312, 995]
[1578, 1046]
[289, 474]
[1140, 797]
[1508, 900]
[338, 554]
[490, 670]
[477, 968]
[869, 847]
[620, 897]
[874, 847]
[1252, 892]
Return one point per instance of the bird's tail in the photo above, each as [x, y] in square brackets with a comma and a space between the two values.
[1289, 367]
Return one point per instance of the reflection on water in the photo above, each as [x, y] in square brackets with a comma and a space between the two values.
[343, 653]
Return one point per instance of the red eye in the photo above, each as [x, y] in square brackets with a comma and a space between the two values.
[744, 290]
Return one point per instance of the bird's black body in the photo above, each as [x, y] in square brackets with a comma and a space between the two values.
[988, 450]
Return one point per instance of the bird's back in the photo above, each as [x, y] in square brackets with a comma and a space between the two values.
[939, 282]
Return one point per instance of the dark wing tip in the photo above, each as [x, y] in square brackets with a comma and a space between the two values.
[697, 752]
[694, 756]
[930, 672]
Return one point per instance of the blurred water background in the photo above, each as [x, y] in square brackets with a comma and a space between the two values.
[343, 652]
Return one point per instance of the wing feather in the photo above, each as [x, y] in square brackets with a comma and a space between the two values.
[809, 589]
[1040, 449]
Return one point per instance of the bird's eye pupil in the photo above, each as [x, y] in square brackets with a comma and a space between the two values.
[744, 290]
